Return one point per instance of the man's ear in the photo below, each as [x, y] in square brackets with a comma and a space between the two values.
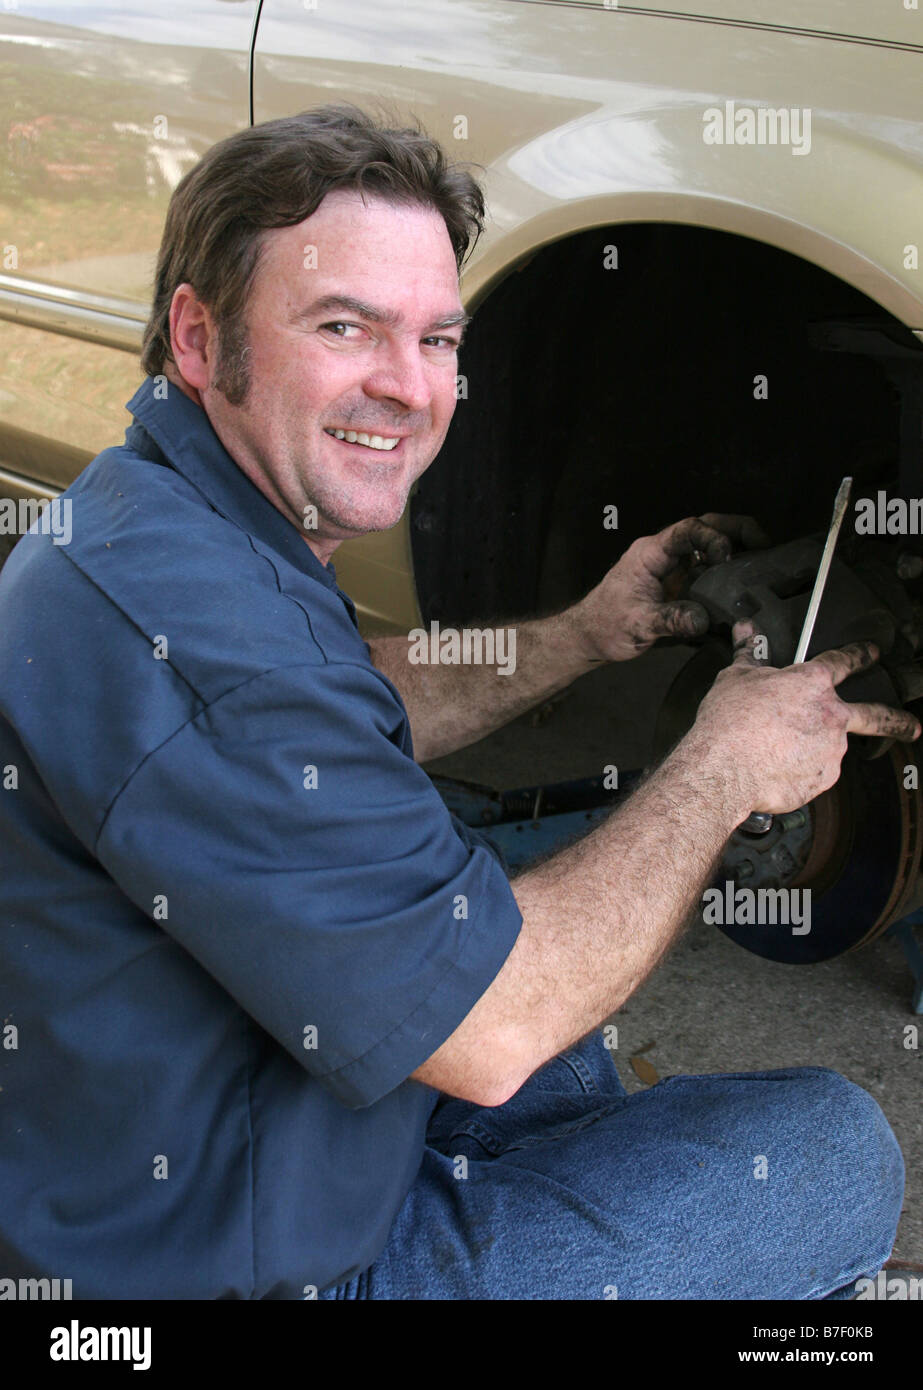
[193, 339]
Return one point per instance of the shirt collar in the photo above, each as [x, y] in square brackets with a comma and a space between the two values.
[184, 435]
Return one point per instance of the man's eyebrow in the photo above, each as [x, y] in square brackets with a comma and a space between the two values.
[344, 303]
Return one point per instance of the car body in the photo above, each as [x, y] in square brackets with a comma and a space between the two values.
[588, 121]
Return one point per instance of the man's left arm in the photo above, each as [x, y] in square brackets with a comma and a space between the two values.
[453, 705]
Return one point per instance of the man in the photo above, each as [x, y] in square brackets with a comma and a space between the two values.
[284, 1026]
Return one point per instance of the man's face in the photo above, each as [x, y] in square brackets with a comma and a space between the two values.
[364, 342]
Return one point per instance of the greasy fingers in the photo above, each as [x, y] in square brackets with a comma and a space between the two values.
[694, 534]
[882, 721]
[846, 661]
[680, 619]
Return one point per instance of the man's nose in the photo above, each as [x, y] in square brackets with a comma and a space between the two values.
[401, 377]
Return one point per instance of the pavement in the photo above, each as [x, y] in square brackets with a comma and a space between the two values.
[712, 1006]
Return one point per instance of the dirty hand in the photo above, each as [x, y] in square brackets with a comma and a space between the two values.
[635, 603]
[778, 736]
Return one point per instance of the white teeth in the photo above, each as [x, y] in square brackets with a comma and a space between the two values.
[373, 441]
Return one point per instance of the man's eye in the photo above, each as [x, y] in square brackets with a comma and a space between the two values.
[451, 343]
[339, 324]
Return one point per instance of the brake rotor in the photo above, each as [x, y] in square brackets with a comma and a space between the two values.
[856, 848]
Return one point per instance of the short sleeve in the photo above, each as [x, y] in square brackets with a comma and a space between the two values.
[285, 840]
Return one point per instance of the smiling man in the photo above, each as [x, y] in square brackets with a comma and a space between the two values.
[283, 1026]
[346, 388]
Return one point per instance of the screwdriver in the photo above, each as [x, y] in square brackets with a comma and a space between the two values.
[760, 822]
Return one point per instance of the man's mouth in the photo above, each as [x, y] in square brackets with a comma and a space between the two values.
[384, 442]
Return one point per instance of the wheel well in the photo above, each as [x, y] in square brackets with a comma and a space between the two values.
[634, 387]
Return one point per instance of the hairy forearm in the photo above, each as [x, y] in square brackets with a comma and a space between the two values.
[450, 706]
[596, 919]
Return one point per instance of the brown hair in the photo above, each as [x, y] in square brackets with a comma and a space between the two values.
[275, 175]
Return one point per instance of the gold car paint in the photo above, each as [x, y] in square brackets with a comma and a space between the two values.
[585, 117]
[88, 168]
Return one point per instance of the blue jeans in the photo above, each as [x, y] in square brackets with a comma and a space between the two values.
[758, 1185]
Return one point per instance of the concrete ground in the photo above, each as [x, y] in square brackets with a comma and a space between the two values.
[712, 1006]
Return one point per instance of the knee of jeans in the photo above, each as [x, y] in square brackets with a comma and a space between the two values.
[862, 1126]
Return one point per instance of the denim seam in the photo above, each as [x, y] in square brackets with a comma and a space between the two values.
[473, 1129]
[845, 1277]
[582, 1072]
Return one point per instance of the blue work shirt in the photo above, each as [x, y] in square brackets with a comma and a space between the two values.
[235, 914]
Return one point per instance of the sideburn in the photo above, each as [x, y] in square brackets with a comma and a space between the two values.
[232, 369]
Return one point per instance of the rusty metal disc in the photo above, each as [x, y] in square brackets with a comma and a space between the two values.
[863, 858]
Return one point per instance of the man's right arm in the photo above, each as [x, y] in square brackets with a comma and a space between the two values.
[599, 915]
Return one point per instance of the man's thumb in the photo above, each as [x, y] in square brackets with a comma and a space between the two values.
[751, 647]
[682, 619]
